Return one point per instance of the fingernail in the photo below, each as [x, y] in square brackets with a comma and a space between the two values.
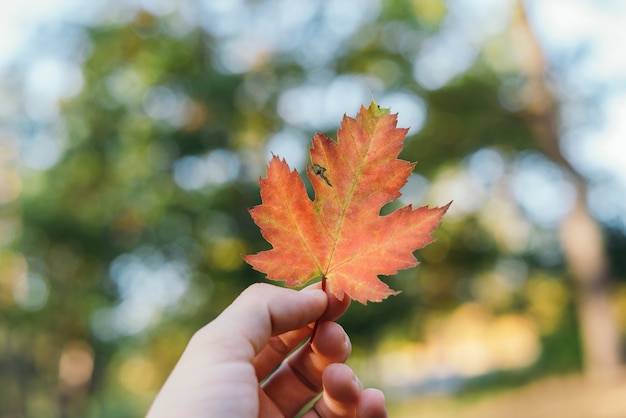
[357, 382]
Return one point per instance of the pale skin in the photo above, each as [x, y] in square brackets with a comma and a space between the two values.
[219, 372]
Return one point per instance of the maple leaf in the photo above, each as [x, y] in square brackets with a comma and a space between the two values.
[340, 235]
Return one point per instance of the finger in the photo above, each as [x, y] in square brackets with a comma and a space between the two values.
[260, 311]
[344, 396]
[279, 346]
[299, 379]
[336, 307]
[341, 393]
[371, 404]
[277, 349]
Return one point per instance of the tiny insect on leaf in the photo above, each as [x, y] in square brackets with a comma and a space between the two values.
[318, 170]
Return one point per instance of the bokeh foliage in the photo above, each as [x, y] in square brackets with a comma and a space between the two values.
[163, 148]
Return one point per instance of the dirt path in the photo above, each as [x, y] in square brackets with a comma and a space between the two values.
[562, 397]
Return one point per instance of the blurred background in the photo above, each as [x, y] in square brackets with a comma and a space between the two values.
[133, 134]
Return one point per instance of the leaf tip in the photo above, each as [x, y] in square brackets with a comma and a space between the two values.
[375, 109]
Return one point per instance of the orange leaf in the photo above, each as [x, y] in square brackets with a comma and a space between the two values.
[341, 235]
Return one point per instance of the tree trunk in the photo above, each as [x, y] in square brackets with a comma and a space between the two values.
[580, 234]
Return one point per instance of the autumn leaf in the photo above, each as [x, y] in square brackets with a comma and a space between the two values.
[340, 235]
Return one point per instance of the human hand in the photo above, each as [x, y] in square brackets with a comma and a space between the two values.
[218, 375]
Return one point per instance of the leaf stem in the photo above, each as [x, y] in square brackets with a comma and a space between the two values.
[317, 321]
